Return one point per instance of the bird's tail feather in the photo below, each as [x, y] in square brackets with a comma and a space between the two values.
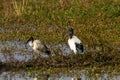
[47, 50]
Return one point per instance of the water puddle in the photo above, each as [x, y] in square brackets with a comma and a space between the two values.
[16, 51]
[71, 75]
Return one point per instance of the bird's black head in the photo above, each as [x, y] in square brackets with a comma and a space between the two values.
[30, 39]
[70, 32]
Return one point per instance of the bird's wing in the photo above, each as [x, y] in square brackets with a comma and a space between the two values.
[76, 39]
[79, 47]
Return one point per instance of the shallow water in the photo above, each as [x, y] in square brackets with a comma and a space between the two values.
[71, 75]
[16, 51]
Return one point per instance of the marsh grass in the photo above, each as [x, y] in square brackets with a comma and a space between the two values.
[92, 20]
[96, 23]
[19, 7]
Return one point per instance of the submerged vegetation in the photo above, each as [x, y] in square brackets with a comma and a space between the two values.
[96, 23]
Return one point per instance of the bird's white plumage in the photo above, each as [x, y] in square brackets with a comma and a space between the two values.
[30, 43]
[36, 45]
[71, 43]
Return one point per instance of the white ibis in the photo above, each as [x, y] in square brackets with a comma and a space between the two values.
[75, 43]
[37, 46]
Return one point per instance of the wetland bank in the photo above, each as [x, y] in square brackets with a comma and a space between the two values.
[96, 23]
